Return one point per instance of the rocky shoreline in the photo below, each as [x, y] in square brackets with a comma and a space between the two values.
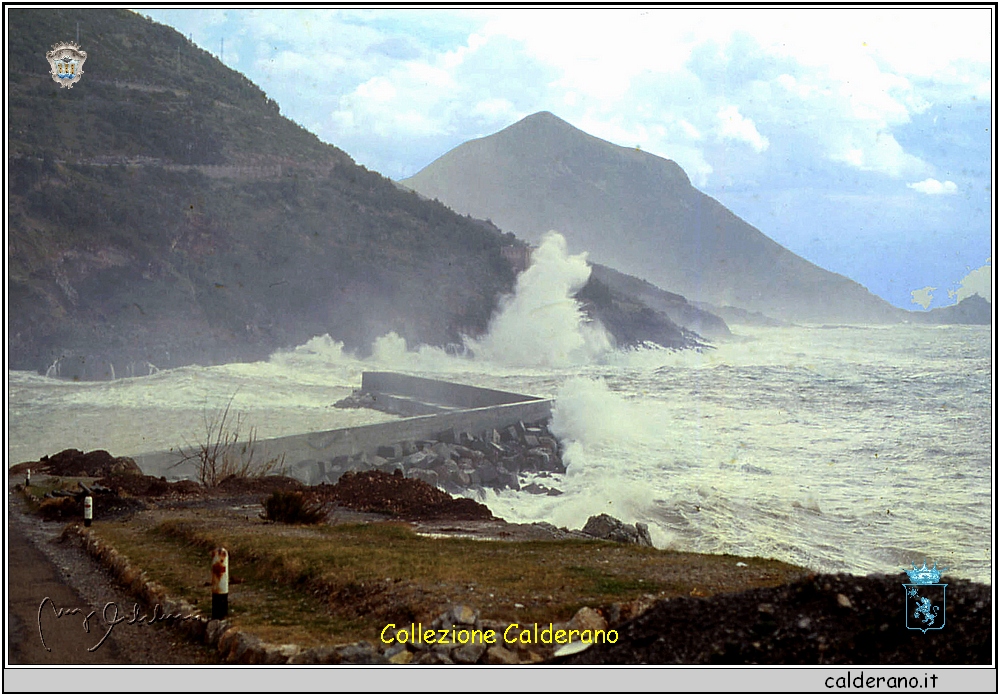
[459, 462]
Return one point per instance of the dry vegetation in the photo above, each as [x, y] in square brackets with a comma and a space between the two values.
[326, 584]
[292, 507]
[229, 449]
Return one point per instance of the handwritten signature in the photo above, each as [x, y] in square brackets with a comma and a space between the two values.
[112, 616]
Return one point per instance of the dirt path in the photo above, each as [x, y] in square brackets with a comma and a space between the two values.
[39, 567]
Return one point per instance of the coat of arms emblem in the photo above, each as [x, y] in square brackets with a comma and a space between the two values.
[925, 598]
[66, 60]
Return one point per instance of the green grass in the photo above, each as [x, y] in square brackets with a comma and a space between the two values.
[605, 583]
[42, 484]
[327, 584]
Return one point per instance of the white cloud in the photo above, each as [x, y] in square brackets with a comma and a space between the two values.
[850, 110]
[689, 130]
[933, 187]
[873, 150]
[848, 78]
[923, 296]
[978, 282]
[838, 82]
[735, 126]
[290, 62]
[406, 99]
[801, 89]
[495, 109]
[377, 90]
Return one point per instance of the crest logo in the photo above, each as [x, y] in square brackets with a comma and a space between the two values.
[925, 598]
[66, 60]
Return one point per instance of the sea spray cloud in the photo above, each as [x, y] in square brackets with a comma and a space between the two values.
[589, 412]
[607, 444]
[391, 351]
[542, 323]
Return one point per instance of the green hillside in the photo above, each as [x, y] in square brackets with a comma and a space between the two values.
[163, 210]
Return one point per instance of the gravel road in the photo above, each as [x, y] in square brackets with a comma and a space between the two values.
[41, 566]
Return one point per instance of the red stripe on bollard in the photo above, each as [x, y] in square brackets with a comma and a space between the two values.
[220, 583]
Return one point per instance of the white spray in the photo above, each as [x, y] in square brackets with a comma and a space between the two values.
[542, 324]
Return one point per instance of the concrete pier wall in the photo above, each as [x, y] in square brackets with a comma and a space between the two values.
[307, 455]
[436, 391]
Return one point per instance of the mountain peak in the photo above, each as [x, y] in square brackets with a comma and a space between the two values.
[542, 124]
[636, 212]
[543, 117]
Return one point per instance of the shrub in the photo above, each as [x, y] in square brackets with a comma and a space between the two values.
[63, 508]
[224, 453]
[292, 507]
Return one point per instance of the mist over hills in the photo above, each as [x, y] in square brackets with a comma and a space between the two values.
[640, 214]
[163, 211]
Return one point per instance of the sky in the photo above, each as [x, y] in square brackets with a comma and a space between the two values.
[860, 139]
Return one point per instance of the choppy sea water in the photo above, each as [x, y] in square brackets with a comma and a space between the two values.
[854, 449]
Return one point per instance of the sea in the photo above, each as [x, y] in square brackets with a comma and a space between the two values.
[857, 449]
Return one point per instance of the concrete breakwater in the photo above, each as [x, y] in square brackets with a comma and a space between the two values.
[456, 459]
[455, 436]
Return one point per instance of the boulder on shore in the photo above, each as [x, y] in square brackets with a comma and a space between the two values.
[488, 459]
[605, 526]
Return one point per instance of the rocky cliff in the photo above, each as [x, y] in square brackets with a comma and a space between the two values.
[163, 211]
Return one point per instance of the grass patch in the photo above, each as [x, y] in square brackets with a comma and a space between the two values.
[609, 584]
[327, 584]
[268, 607]
[41, 484]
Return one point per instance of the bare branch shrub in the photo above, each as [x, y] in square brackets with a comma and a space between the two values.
[225, 451]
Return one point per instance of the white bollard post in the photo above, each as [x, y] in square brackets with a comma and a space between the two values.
[27, 478]
[88, 511]
[220, 583]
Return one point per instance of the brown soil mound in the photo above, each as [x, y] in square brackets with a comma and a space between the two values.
[374, 491]
[821, 619]
[263, 484]
[73, 462]
[142, 486]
